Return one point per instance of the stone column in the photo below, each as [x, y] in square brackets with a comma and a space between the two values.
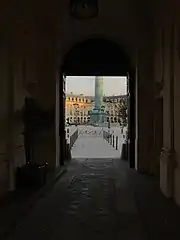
[167, 154]
[177, 115]
[62, 131]
[144, 107]
[4, 173]
[20, 75]
[44, 72]
[98, 92]
[57, 115]
[158, 135]
[158, 98]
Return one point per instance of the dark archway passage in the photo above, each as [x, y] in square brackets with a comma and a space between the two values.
[101, 57]
[96, 57]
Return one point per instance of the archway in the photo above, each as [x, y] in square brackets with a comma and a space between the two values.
[96, 57]
[101, 57]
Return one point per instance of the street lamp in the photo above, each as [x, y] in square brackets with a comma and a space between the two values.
[76, 106]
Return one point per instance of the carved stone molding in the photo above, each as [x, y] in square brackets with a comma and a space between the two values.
[167, 166]
[158, 89]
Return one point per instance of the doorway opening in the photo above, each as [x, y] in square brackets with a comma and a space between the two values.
[99, 57]
[96, 106]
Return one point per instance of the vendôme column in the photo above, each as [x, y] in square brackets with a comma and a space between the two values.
[97, 114]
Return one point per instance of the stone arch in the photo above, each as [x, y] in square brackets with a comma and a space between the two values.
[102, 57]
[92, 51]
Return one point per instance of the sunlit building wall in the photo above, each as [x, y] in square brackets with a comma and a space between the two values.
[78, 107]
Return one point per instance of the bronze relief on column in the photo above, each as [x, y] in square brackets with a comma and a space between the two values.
[84, 9]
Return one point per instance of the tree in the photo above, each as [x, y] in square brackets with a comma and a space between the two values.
[123, 113]
[120, 109]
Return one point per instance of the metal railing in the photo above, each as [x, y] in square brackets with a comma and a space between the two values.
[73, 138]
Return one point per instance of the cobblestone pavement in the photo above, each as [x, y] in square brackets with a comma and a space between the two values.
[89, 202]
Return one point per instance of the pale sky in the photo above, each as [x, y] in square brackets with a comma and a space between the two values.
[85, 85]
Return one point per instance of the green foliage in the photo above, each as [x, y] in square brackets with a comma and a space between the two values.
[122, 112]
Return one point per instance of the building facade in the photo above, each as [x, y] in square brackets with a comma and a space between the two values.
[79, 107]
[113, 106]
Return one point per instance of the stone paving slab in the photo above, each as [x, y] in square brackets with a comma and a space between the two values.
[101, 199]
[89, 146]
[160, 216]
[82, 205]
[14, 211]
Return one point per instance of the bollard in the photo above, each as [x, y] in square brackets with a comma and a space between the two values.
[73, 138]
[70, 142]
[68, 151]
[113, 140]
[116, 143]
[124, 152]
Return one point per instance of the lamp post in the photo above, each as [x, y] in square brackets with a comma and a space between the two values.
[76, 106]
[102, 114]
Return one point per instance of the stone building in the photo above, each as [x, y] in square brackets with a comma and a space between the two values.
[78, 108]
[113, 106]
[47, 41]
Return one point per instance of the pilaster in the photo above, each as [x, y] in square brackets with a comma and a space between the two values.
[3, 117]
[46, 140]
[167, 160]
[177, 113]
[144, 108]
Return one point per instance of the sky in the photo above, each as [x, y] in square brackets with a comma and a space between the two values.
[85, 85]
